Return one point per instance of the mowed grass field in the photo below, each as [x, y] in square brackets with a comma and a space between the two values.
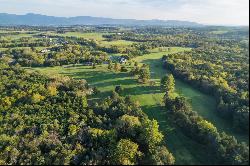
[37, 48]
[21, 35]
[93, 36]
[150, 98]
[18, 36]
[204, 104]
[98, 37]
[3, 49]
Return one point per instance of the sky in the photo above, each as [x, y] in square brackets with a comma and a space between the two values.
[210, 12]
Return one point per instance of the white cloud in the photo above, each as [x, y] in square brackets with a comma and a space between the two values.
[228, 12]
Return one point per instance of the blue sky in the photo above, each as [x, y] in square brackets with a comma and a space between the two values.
[216, 12]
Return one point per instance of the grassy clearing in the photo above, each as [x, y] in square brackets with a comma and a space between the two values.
[150, 98]
[98, 37]
[38, 48]
[185, 149]
[204, 104]
[119, 43]
[219, 32]
[92, 36]
[3, 49]
[21, 35]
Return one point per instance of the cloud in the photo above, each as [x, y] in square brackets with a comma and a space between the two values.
[230, 12]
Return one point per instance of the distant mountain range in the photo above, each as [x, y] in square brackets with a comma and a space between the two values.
[43, 20]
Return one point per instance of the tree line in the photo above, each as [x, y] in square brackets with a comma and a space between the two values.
[225, 148]
[219, 71]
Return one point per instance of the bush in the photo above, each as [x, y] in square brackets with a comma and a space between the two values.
[124, 69]
[118, 89]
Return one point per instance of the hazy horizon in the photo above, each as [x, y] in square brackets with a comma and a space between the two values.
[207, 12]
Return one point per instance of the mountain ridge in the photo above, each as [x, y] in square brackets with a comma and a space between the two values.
[41, 20]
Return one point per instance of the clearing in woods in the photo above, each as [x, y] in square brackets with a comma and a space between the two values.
[150, 97]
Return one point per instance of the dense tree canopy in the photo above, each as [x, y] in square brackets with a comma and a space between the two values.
[49, 121]
[226, 148]
[219, 71]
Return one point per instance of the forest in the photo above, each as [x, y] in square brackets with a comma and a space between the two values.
[49, 121]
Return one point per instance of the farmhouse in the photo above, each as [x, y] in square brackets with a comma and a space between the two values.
[45, 51]
[123, 60]
[120, 33]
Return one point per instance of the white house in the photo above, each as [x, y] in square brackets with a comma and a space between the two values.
[123, 60]
[45, 51]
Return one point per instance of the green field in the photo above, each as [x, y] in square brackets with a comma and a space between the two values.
[3, 49]
[98, 37]
[19, 36]
[16, 37]
[219, 32]
[93, 36]
[204, 104]
[184, 149]
[119, 43]
[38, 48]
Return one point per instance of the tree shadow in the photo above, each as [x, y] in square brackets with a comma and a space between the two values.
[99, 97]
[116, 83]
[159, 113]
[94, 76]
[142, 90]
[156, 65]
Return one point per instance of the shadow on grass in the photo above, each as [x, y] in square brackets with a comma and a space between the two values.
[156, 112]
[116, 83]
[142, 90]
[184, 148]
[99, 97]
[156, 66]
[94, 76]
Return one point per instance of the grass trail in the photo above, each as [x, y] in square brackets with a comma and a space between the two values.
[204, 104]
